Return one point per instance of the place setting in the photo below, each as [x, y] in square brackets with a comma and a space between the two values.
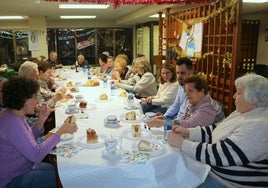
[111, 121]
[136, 132]
[131, 117]
[91, 140]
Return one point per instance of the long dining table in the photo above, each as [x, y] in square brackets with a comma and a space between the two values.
[81, 164]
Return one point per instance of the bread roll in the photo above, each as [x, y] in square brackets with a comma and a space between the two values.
[72, 119]
[131, 116]
[103, 96]
[144, 145]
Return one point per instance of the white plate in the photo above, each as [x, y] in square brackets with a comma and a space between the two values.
[82, 141]
[66, 137]
[139, 118]
[111, 157]
[157, 148]
[108, 100]
[111, 125]
[144, 134]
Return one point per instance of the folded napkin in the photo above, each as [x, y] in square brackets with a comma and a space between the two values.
[67, 150]
[134, 157]
[81, 116]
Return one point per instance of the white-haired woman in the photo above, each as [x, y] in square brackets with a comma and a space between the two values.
[237, 148]
[143, 83]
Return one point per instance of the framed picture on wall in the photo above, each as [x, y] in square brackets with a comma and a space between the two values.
[266, 35]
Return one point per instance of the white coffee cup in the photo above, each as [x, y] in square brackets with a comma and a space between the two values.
[71, 107]
[111, 119]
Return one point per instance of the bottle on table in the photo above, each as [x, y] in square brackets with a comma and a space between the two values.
[76, 66]
[112, 88]
[88, 74]
[85, 71]
[167, 127]
[105, 80]
[130, 100]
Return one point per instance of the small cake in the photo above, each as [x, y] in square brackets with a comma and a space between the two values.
[73, 90]
[144, 145]
[91, 136]
[131, 116]
[103, 96]
[83, 104]
[136, 130]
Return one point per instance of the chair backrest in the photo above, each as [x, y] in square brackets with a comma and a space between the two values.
[220, 109]
[261, 69]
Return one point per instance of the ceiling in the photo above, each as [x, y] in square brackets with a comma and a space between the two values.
[125, 15]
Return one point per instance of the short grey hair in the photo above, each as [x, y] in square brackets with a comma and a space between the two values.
[143, 64]
[27, 68]
[255, 88]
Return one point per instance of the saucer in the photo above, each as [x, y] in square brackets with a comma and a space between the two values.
[116, 156]
[67, 111]
[111, 125]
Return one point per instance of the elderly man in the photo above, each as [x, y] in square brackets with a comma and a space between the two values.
[53, 57]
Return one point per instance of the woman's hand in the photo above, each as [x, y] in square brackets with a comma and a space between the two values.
[175, 140]
[155, 122]
[149, 99]
[67, 127]
[181, 131]
[43, 113]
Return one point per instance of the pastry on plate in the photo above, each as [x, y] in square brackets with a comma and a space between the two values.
[103, 97]
[123, 94]
[92, 83]
[131, 116]
[69, 84]
[144, 145]
[136, 130]
[91, 136]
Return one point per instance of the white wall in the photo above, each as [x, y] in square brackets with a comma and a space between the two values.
[262, 55]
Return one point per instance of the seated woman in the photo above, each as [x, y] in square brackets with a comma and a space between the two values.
[2, 80]
[199, 111]
[166, 93]
[121, 69]
[20, 153]
[232, 147]
[143, 83]
[44, 71]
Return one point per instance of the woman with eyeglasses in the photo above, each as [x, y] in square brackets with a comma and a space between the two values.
[21, 155]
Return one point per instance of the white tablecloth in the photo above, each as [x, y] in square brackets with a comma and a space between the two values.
[89, 168]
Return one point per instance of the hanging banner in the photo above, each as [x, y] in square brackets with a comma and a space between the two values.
[33, 40]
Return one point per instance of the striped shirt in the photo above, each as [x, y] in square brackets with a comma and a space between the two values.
[236, 149]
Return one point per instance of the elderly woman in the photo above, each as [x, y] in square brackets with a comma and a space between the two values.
[121, 69]
[166, 93]
[20, 153]
[199, 111]
[231, 147]
[2, 80]
[143, 84]
[30, 70]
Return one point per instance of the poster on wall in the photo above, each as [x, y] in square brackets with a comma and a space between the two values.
[191, 41]
[33, 40]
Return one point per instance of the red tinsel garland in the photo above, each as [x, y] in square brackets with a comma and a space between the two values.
[117, 3]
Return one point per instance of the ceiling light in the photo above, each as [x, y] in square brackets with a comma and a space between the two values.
[77, 17]
[255, 1]
[83, 6]
[11, 17]
[157, 16]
